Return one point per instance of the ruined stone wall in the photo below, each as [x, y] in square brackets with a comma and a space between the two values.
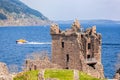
[95, 67]
[76, 49]
[40, 64]
[65, 46]
[57, 48]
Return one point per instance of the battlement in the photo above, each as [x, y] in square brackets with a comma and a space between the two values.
[76, 29]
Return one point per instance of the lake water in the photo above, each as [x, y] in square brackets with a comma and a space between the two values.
[39, 39]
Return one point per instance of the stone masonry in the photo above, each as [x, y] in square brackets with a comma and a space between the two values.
[40, 64]
[77, 49]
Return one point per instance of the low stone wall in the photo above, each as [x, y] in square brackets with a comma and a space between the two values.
[40, 64]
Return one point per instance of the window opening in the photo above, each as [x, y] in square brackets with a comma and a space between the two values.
[67, 57]
[62, 44]
[89, 46]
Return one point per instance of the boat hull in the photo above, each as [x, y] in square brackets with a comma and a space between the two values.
[21, 41]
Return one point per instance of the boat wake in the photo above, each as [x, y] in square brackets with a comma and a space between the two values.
[41, 43]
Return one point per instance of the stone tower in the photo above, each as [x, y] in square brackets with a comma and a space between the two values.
[77, 49]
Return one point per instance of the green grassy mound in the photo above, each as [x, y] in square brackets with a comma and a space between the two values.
[29, 75]
[61, 74]
[84, 76]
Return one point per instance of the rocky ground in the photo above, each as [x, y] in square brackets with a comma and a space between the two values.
[4, 73]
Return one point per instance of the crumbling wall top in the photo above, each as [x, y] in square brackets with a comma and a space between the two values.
[54, 29]
[94, 29]
[76, 26]
[91, 31]
[75, 29]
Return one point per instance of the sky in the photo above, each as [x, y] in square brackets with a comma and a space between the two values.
[77, 9]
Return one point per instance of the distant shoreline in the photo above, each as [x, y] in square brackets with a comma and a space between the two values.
[27, 26]
[48, 22]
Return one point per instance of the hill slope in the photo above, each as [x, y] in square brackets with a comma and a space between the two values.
[14, 13]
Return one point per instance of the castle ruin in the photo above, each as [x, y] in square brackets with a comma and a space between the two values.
[73, 49]
[77, 49]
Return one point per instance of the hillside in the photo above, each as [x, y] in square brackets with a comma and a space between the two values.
[16, 13]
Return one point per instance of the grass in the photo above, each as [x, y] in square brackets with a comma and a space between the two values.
[29, 75]
[84, 76]
[59, 74]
